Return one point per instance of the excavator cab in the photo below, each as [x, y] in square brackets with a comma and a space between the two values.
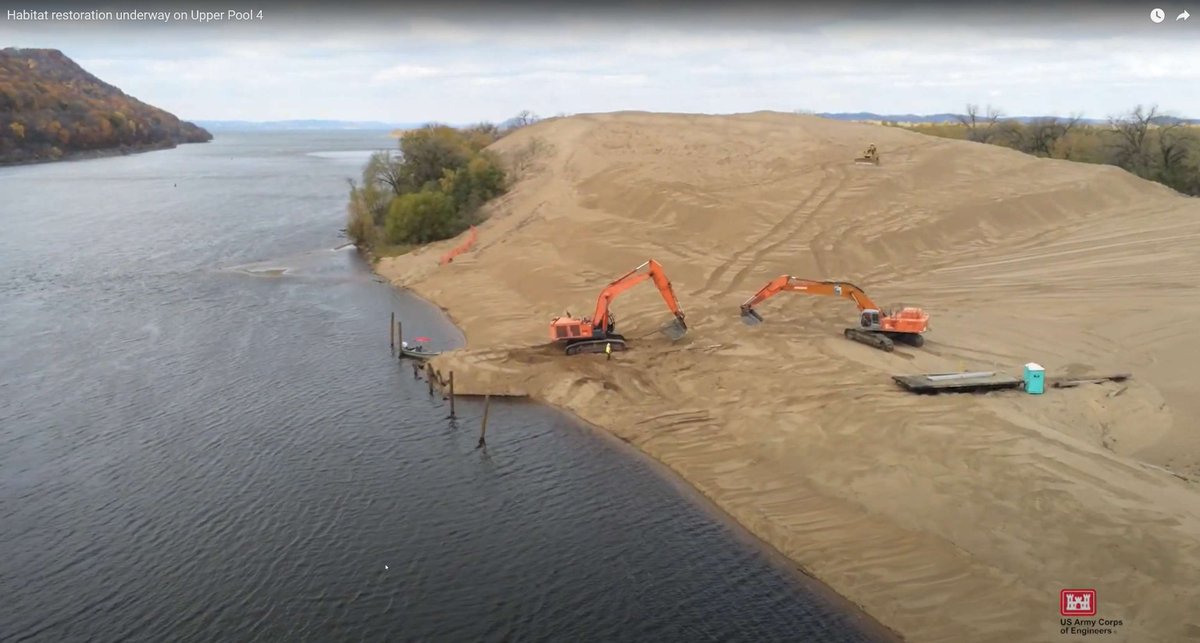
[869, 320]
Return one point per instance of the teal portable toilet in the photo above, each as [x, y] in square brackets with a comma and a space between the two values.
[1035, 379]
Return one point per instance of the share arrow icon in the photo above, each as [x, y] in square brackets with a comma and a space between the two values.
[1183, 16]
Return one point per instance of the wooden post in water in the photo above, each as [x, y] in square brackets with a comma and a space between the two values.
[400, 338]
[392, 332]
[487, 404]
[452, 395]
[429, 376]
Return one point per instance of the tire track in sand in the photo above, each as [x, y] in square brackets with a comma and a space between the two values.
[720, 271]
[831, 186]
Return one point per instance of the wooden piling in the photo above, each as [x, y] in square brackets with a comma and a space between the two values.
[451, 394]
[392, 332]
[400, 334]
[487, 404]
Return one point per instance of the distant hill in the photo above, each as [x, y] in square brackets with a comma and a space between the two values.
[953, 118]
[52, 109]
[899, 118]
[309, 124]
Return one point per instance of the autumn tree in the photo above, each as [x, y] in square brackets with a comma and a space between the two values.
[385, 170]
[1143, 141]
[421, 217]
[1040, 136]
[1171, 147]
[427, 152]
[1130, 147]
[980, 128]
[431, 190]
[524, 119]
[474, 184]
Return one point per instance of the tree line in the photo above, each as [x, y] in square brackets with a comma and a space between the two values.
[432, 188]
[1144, 141]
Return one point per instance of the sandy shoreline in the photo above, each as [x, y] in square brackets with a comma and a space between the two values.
[949, 518]
[865, 622]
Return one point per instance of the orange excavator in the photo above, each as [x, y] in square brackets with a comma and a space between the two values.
[878, 328]
[596, 333]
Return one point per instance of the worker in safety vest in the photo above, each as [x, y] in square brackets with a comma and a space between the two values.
[608, 350]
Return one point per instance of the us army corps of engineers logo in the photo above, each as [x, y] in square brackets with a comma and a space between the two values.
[1076, 603]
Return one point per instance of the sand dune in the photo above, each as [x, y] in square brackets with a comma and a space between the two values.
[949, 518]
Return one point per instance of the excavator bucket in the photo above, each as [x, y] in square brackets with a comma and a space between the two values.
[676, 329]
[750, 317]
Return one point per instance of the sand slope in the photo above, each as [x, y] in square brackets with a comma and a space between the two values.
[949, 518]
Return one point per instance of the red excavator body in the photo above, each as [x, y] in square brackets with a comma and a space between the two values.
[596, 333]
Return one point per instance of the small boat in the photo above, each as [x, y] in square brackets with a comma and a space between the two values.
[418, 352]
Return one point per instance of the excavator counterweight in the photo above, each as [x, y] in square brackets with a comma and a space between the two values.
[878, 328]
[597, 333]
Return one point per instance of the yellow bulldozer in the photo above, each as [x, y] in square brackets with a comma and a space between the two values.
[871, 156]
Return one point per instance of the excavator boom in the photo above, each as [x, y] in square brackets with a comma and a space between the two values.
[877, 327]
[630, 279]
[789, 283]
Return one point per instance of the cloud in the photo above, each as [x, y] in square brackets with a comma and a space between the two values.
[442, 31]
[461, 66]
[408, 72]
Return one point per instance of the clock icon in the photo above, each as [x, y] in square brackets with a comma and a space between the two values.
[1157, 15]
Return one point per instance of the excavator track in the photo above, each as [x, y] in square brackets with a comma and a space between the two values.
[597, 345]
[877, 340]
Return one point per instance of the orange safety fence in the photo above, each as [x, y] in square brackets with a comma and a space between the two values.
[461, 248]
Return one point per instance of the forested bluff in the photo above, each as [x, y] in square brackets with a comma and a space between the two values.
[52, 109]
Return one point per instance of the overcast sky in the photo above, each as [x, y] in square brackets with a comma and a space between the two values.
[461, 64]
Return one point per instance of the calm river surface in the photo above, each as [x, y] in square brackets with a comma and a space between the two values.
[195, 447]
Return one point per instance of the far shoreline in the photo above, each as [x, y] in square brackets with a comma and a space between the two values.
[108, 152]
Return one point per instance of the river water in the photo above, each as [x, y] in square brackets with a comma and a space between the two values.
[203, 437]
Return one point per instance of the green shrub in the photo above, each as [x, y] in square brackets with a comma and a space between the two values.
[361, 226]
[422, 217]
[428, 152]
[480, 181]
[432, 190]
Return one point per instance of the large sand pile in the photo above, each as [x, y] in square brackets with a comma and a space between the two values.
[949, 518]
